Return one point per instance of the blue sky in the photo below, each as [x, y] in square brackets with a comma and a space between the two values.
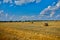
[29, 10]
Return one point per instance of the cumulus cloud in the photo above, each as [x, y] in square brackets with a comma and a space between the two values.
[45, 10]
[3, 16]
[6, 1]
[23, 17]
[32, 17]
[58, 4]
[58, 16]
[52, 14]
[1, 13]
[50, 10]
[37, 1]
[27, 17]
[6, 15]
[11, 17]
[20, 2]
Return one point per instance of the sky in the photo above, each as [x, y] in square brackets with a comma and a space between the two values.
[15, 10]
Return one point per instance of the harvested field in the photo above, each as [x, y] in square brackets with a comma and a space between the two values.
[29, 31]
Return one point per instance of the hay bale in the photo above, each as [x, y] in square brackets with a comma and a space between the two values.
[45, 24]
[32, 22]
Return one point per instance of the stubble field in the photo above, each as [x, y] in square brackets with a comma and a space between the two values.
[30, 31]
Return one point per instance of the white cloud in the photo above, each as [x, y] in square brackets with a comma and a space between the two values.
[44, 11]
[1, 12]
[24, 17]
[20, 2]
[49, 7]
[6, 1]
[50, 10]
[37, 1]
[28, 1]
[21, 18]
[11, 17]
[58, 4]
[57, 16]
[27, 17]
[52, 14]
[6, 15]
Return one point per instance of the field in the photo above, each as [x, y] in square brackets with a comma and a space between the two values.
[30, 31]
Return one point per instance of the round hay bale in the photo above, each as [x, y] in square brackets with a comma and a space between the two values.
[32, 22]
[45, 24]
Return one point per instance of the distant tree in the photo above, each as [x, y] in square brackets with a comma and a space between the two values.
[10, 21]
